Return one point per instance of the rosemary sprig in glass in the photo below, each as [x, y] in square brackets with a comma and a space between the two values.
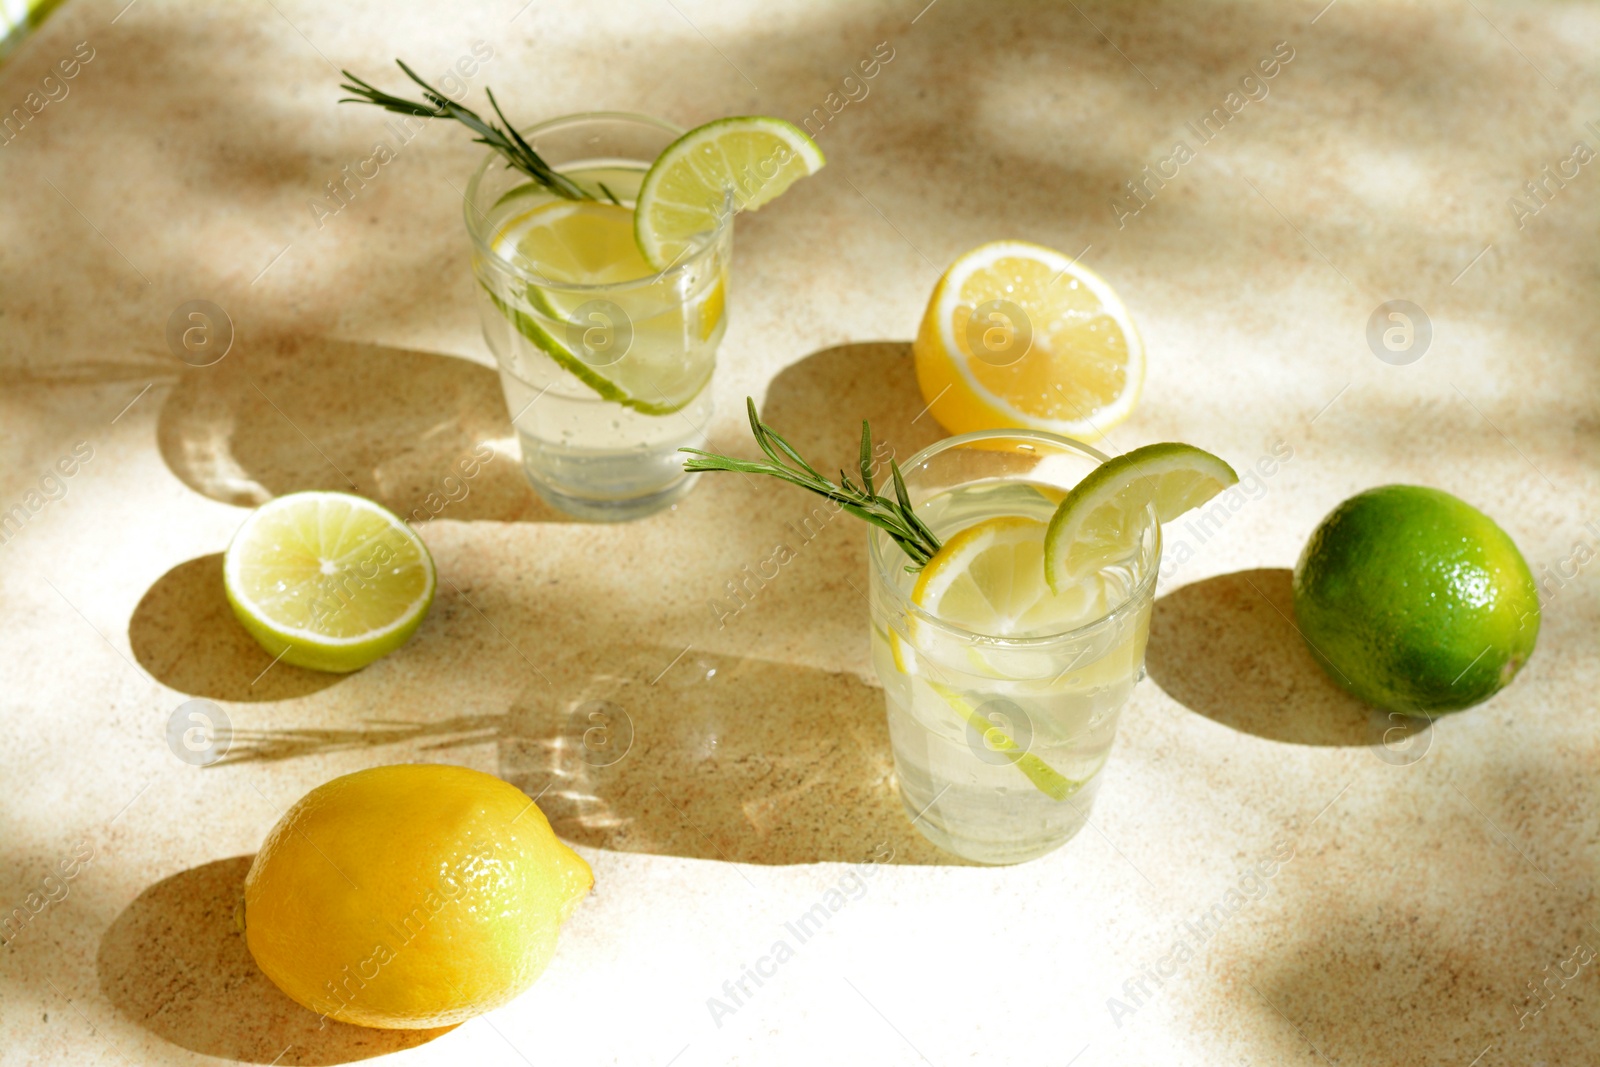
[508, 142]
[896, 517]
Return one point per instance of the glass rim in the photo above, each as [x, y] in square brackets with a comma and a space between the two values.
[713, 240]
[882, 576]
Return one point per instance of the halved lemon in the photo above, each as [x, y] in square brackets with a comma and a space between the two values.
[328, 581]
[1098, 521]
[1019, 335]
[732, 164]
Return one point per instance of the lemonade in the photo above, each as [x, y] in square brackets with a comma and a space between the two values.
[1003, 695]
[606, 362]
[1012, 576]
[600, 247]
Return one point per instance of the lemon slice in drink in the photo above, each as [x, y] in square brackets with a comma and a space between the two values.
[1017, 334]
[735, 164]
[575, 242]
[328, 581]
[634, 361]
[1098, 521]
[989, 579]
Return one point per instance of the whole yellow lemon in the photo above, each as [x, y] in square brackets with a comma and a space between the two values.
[409, 897]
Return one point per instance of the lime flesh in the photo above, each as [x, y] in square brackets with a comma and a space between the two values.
[328, 581]
[1099, 521]
[732, 164]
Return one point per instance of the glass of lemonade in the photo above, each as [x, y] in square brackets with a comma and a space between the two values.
[999, 736]
[606, 362]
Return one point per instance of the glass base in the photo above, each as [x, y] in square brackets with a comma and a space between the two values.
[611, 509]
[1000, 849]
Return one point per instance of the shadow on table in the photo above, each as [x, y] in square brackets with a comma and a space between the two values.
[1226, 647]
[175, 963]
[411, 430]
[818, 403]
[716, 757]
[184, 633]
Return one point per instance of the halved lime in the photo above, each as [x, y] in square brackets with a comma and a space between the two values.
[1099, 520]
[733, 164]
[328, 581]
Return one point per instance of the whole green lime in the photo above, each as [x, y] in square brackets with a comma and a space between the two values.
[1415, 601]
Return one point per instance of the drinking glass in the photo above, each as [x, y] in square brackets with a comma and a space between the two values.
[998, 741]
[606, 363]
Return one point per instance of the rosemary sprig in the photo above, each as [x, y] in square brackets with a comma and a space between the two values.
[896, 517]
[508, 142]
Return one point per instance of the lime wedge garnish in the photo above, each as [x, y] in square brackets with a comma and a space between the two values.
[328, 581]
[735, 163]
[1099, 520]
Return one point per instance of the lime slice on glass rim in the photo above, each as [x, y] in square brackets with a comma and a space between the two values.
[1100, 518]
[735, 164]
[328, 581]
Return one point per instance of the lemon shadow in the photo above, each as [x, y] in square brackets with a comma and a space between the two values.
[425, 435]
[1227, 647]
[184, 633]
[175, 963]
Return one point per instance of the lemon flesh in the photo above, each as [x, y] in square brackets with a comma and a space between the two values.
[588, 243]
[1056, 349]
[1415, 601]
[411, 896]
[574, 242]
[989, 580]
[732, 164]
[328, 581]
[1100, 519]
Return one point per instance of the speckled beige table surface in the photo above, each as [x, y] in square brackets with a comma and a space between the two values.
[1359, 905]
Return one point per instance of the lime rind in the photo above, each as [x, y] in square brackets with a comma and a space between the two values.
[1099, 521]
[688, 191]
[1040, 774]
[607, 389]
[1415, 601]
[1045, 778]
